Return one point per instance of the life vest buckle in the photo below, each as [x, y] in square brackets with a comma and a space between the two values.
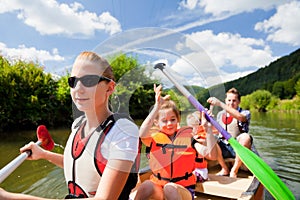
[174, 180]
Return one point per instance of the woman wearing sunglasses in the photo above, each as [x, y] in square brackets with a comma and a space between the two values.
[102, 149]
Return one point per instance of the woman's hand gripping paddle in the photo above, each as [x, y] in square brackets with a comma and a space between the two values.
[254, 163]
[44, 140]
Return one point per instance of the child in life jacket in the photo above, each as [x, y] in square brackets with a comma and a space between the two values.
[194, 120]
[172, 152]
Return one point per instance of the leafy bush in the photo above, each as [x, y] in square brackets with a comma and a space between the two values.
[260, 100]
[28, 96]
[246, 102]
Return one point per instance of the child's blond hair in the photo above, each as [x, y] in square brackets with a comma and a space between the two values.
[169, 104]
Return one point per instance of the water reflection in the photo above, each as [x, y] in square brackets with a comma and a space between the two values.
[52, 185]
[277, 138]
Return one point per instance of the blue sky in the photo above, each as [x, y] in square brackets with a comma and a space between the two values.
[238, 36]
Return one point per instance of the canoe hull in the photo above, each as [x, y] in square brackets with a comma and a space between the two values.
[245, 187]
[221, 187]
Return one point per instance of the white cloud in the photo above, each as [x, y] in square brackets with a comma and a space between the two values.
[284, 25]
[227, 49]
[221, 7]
[189, 4]
[49, 17]
[29, 54]
[234, 50]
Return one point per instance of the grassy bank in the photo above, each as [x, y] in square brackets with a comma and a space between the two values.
[287, 105]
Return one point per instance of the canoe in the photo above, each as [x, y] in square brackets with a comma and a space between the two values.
[244, 187]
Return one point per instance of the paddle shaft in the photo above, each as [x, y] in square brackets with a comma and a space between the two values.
[254, 163]
[10, 167]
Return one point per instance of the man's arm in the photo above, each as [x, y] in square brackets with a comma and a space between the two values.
[233, 112]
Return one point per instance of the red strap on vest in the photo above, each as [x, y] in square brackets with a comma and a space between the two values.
[227, 119]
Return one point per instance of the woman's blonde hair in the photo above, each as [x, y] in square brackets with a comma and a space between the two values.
[94, 58]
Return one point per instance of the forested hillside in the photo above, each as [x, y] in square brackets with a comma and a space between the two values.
[277, 77]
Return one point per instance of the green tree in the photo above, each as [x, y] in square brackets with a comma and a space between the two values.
[285, 89]
[202, 97]
[181, 101]
[122, 64]
[28, 91]
[64, 101]
[260, 99]
[273, 103]
[278, 89]
[246, 102]
[289, 89]
[134, 92]
[297, 88]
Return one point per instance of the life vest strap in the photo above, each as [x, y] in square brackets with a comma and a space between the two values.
[74, 196]
[199, 160]
[174, 180]
[170, 146]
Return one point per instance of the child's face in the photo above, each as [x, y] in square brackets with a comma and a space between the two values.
[168, 121]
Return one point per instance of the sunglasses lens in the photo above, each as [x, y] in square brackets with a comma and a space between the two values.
[87, 81]
[71, 81]
[90, 80]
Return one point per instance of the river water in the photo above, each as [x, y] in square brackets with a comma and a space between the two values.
[276, 137]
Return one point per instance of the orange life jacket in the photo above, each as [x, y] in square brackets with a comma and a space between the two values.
[173, 160]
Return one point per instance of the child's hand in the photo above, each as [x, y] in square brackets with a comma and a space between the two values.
[204, 121]
[159, 100]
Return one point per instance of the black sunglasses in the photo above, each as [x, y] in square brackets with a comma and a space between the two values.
[87, 80]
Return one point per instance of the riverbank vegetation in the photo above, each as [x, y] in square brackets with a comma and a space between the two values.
[263, 101]
[30, 97]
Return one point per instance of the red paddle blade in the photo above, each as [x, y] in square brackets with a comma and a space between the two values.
[44, 136]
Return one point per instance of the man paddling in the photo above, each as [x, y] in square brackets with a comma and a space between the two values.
[236, 122]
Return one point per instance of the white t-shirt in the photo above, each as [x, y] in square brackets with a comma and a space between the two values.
[121, 143]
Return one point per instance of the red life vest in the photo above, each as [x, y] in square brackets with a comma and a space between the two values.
[173, 160]
[230, 124]
[80, 147]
